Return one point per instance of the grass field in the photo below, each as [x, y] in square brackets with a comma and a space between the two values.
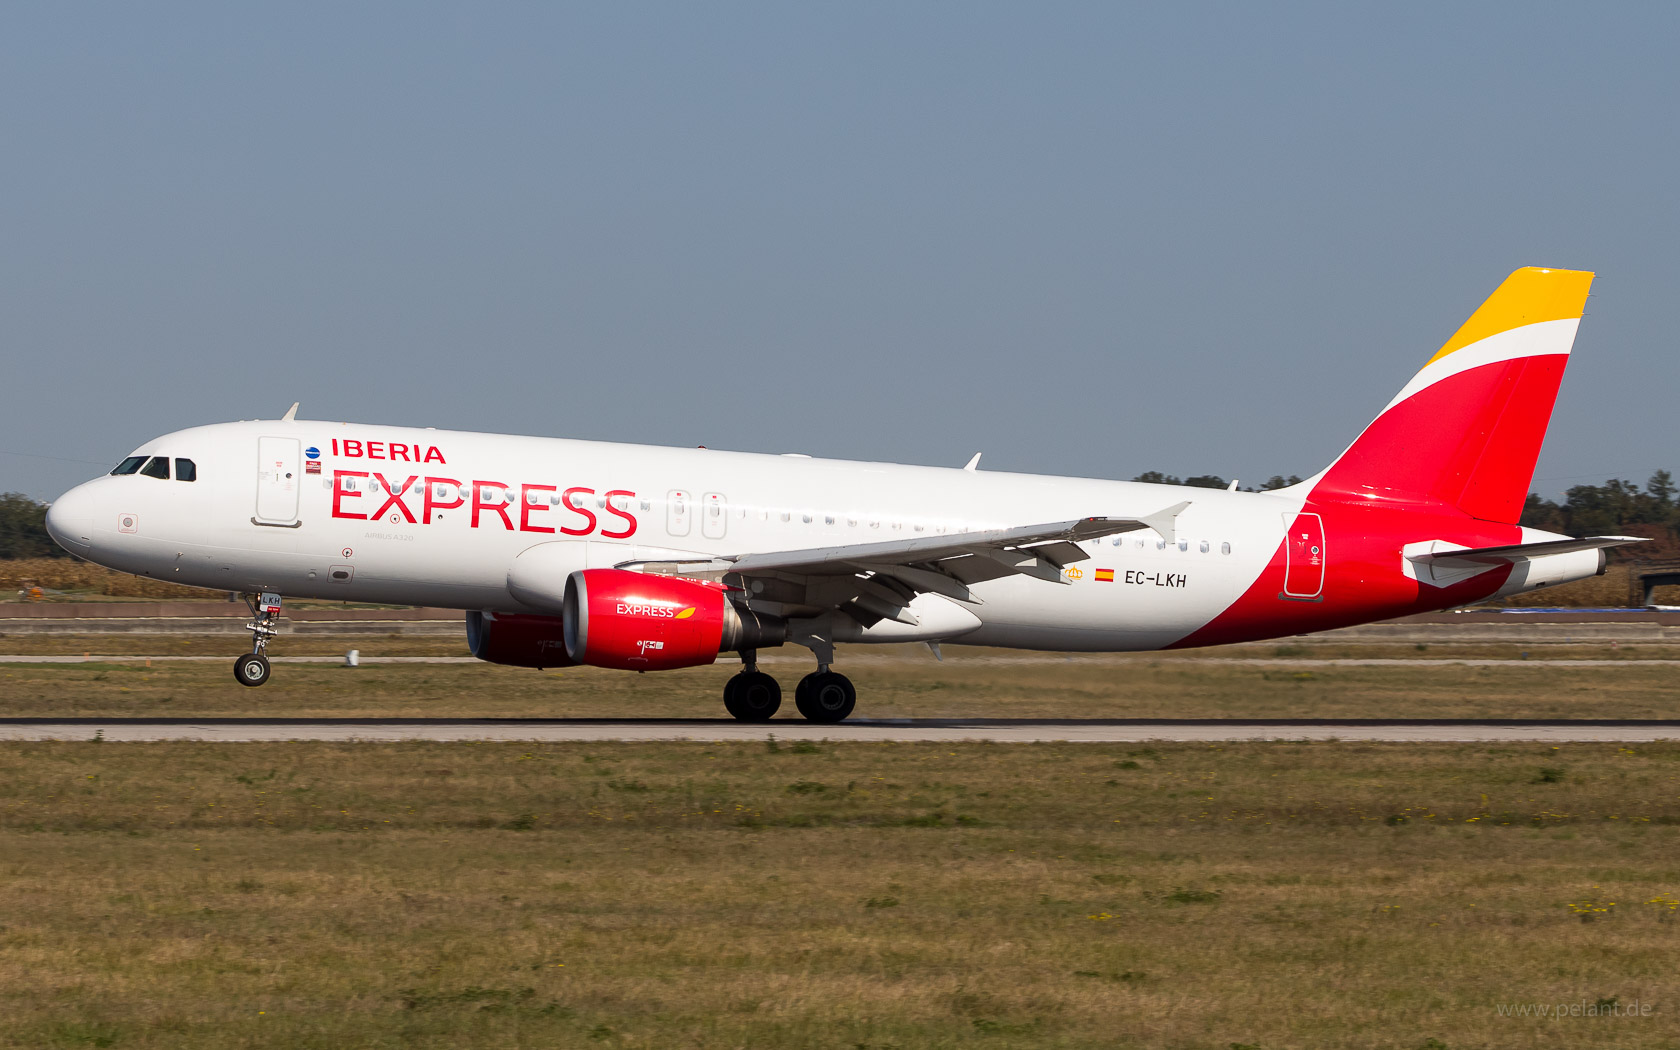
[836, 895]
[906, 683]
[841, 895]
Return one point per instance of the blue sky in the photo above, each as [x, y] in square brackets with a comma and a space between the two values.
[1085, 239]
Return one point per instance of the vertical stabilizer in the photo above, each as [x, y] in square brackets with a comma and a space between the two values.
[1467, 429]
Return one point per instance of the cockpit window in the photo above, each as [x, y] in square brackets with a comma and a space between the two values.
[186, 470]
[156, 467]
[129, 465]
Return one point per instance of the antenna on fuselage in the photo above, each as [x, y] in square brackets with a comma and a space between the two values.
[291, 413]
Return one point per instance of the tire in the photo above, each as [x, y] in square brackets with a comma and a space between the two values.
[251, 669]
[752, 696]
[826, 696]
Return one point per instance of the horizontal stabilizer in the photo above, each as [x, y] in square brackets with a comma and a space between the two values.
[1442, 564]
[1515, 552]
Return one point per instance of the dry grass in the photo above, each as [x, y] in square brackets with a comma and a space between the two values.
[82, 578]
[833, 895]
[889, 686]
[451, 643]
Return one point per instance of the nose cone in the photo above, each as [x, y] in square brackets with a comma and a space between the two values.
[70, 520]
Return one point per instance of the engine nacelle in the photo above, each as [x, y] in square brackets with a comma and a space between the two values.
[518, 639]
[641, 622]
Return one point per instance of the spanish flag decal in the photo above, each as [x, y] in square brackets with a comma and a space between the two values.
[686, 613]
[1105, 575]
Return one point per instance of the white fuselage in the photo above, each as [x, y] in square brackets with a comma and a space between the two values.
[258, 517]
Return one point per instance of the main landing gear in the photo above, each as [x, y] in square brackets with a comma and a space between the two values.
[752, 695]
[822, 696]
[825, 696]
[252, 668]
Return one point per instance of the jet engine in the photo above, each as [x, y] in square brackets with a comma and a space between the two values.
[517, 639]
[641, 622]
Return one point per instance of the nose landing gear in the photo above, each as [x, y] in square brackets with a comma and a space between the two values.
[252, 668]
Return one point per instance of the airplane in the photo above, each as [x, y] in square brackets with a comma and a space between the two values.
[643, 558]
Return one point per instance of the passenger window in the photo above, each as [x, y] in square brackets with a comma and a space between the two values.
[1205, 546]
[156, 467]
[1224, 548]
[186, 470]
[1183, 545]
[129, 465]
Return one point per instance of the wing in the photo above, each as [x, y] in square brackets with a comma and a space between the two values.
[876, 581]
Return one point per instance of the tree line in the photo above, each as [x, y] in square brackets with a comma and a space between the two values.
[1586, 510]
[23, 529]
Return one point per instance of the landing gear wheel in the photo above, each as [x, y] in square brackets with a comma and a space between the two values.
[825, 696]
[251, 669]
[752, 696]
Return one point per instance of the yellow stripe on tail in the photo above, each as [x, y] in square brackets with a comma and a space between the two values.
[1529, 296]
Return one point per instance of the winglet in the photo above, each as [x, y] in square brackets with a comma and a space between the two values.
[1162, 521]
[291, 413]
[973, 465]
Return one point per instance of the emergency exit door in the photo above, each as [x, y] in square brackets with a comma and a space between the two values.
[678, 512]
[277, 480]
[1303, 574]
[714, 515]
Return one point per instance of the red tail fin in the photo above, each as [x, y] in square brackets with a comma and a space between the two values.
[1467, 429]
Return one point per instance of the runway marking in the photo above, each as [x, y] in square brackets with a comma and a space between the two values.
[702, 730]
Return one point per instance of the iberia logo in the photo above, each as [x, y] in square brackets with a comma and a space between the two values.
[686, 613]
[1075, 573]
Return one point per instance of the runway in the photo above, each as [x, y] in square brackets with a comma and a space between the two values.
[703, 730]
